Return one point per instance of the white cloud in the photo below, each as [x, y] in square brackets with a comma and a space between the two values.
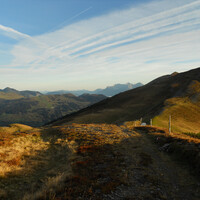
[160, 34]
[10, 32]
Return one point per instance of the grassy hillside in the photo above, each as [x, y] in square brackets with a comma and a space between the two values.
[176, 95]
[39, 110]
[96, 161]
[4, 95]
[10, 93]
[185, 116]
[183, 109]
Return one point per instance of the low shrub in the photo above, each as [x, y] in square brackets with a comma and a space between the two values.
[194, 135]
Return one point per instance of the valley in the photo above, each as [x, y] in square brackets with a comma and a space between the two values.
[38, 110]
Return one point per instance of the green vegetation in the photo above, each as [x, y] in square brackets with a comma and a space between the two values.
[194, 135]
[10, 96]
[37, 111]
[10, 93]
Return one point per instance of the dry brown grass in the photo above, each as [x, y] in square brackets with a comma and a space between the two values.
[13, 153]
[23, 157]
[90, 142]
[24, 152]
[14, 128]
[78, 161]
[132, 124]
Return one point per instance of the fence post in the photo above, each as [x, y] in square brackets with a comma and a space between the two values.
[169, 124]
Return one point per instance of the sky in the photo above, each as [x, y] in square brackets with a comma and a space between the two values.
[48, 45]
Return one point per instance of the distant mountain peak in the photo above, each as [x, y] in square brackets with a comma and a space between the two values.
[8, 90]
[13, 93]
[108, 91]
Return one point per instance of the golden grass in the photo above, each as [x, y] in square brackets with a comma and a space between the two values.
[18, 148]
[72, 161]
[24, 155]
[86, 142]
[14, 128]
[185, 116]
[132, 124]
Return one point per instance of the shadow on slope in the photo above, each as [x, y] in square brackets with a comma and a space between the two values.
[88, 161]
[32, 161]
[148, 101]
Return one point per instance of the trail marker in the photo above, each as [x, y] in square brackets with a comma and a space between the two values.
[169, 124]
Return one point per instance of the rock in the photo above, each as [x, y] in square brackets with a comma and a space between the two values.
[165, 147]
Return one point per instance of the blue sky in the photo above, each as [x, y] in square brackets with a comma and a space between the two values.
[89, 44]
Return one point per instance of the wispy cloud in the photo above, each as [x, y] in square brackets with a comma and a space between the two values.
[10, 32]
[163, 31]
[163, 22]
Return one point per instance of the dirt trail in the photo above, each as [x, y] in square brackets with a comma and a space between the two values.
[169, 180]
[100, 162]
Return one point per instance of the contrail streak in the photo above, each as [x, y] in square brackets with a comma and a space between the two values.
[70, 19]
[78, 14]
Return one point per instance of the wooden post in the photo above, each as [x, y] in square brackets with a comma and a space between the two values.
[151, 122]
[169, 124]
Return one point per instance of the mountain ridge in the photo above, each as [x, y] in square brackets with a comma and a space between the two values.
[147, 102]
[10, 93]
[108, 91]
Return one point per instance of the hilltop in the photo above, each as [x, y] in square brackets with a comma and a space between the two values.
[10, 93]
[176, 95]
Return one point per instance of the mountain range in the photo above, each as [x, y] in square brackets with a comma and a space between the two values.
[176, 95]
[35, 109]
[108, 91]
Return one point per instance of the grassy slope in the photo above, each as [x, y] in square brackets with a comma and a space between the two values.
[37, 111]
[150, 101]
[91, 161]
[185, 111]
[185, 116]
[10, 96]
